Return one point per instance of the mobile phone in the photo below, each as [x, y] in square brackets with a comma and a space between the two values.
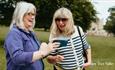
[63, 43]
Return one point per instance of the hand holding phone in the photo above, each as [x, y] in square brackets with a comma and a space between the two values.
[63, 43]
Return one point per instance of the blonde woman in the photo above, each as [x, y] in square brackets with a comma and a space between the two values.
[63, 30]
[23, 50]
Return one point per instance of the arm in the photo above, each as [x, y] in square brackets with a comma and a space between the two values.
[85, 47]
[44, 50]
[14, 47]
[88, 63]
[54, 59]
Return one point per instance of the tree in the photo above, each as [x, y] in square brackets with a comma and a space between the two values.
[46, 9]
[6, 10]
[83, 12]
[110, 24]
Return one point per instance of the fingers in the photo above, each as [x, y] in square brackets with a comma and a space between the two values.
[86, 64]
[59, 58]
[54, 45]
[48, 48]
[43, 44]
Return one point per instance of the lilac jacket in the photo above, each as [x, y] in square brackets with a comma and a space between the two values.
[19, 47]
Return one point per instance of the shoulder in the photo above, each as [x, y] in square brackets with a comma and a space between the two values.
[13, 35]
[14, 31]
[80, 29]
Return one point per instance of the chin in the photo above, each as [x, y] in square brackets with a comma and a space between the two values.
[29, 26]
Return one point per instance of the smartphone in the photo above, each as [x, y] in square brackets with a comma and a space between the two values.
[63, 43]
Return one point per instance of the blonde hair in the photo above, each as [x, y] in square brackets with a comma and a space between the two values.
[69, 29]
[21, 9]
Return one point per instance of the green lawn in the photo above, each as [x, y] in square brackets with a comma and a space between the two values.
[103, 57]
[102, 53]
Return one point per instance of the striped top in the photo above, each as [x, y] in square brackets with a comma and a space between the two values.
[72, 53]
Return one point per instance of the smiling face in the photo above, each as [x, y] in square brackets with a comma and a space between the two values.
[28, 19]
[61, 23]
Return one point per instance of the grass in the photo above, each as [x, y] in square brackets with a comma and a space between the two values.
[103, 48]
[2, 59]
[3, 32]
[102, 53]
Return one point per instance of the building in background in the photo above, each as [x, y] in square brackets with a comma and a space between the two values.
[97, 28]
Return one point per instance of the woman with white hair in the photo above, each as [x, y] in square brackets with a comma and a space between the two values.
[23, 50]
[69, 55]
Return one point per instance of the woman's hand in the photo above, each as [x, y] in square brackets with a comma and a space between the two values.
[87, 64]
[55, 59]
[45, 48]
[88, 58]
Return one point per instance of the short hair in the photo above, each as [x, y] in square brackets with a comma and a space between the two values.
[21, 9]
[63, 13]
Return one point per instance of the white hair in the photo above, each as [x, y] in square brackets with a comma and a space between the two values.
[21, 9]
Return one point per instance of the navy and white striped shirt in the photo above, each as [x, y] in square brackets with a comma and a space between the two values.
[71, 53]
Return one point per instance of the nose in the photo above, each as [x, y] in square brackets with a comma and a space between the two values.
[60, 21]
[32, 17]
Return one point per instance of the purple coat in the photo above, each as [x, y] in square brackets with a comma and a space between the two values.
[19, 47]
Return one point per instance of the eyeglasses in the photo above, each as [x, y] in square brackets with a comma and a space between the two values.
[61, 19]
[30, 14]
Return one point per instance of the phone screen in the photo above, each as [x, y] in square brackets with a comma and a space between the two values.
[63, 43]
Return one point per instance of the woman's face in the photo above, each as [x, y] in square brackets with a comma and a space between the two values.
[28, 19]
[61, 23]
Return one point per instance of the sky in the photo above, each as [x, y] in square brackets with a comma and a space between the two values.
[102, 7]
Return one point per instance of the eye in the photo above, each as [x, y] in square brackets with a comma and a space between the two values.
[64, 19]
[31, 14]
[57, 19]
[61, 19]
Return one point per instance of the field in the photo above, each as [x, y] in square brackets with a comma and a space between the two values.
[103, 48]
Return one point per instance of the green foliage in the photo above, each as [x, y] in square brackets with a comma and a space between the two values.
[110, 24]
[83, 12]
[6, 10]
[108, 27]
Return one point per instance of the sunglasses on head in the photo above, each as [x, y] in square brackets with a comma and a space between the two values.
[61, 19]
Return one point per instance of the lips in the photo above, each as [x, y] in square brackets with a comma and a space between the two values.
[62, 25]
[30, 20]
